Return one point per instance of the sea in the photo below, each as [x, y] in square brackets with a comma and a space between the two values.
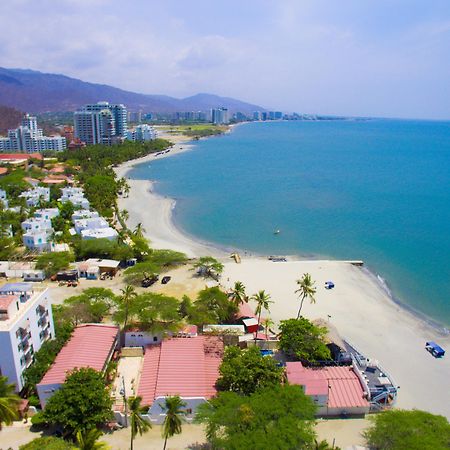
[375, 190]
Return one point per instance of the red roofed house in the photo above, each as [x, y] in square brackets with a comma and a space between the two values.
[91, 345]
[247, 318]
[188, 367]
[335, 390]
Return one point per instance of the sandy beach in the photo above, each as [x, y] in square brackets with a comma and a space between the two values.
[359, 307]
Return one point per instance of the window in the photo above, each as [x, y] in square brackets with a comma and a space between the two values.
[155, 338]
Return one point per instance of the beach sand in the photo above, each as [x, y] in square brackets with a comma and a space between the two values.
[358, 306]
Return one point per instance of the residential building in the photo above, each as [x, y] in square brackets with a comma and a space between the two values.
[219, 116]
[92, 268]
[90, 224]
[29, 138]
[26, 322]
[188, 367]
[36, 195]
[37, 240]
[84, 214]
[91, 345]
[99, 233]
[46, 213]
[35, 224]
[257, 115]
[142, 133]
[75, 196]
[101, 123]
[3, 199]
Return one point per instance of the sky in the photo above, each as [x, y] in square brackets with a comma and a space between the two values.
[387, 58]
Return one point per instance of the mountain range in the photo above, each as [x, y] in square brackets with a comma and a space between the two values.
[37, 92]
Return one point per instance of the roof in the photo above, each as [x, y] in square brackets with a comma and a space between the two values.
[16, 287]
[250, 322]
[340, 384]
[6, 300]
[89, 346]
[8, 156]
[245, 311]
[188, 367]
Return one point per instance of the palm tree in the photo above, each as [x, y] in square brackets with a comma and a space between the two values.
[268, 322]
[174, 417]
[88, 440]
[262, 299]
[324, 445]
[137, 423]
[139, 230]
[237, 294]
[306, 289]
[9, 402]
[126, 300]
[125, 215]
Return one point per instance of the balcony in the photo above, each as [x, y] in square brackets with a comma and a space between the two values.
[42, 321]
[23, 334]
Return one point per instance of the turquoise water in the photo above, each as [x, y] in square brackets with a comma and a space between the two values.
[376, 190]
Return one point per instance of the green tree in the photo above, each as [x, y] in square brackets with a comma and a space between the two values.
[9, 402]
[48, 443]
[213, 304]
[262, 302]
[306, 289]
[138, 425]
[88, 440]
[125, 306]
[139, 230]
[281, 415]
[135, 274]
[52, 263]
[324, 445]
[245, 371]
[303, 340]
[173, 409]
[102, 248]
[83, 402]
[412, 430]
[157, 313]
[237, 294]
[208, 267]
[165, 259]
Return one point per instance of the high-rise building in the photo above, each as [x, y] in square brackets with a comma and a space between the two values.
[26, 322]
[101, 123]
[219, 116]
[142, 133]
[30, 139]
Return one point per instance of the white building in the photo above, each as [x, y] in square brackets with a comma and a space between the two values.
[75, 196]
[100, 233]
[35, 224]
[84, 214]
[37, 240]
[90, 224]
[101, 123]
[3, 198]
[142, 133]
[30, 139]
[46, 213]
[26, 322]
[34, 196]
[219, 116]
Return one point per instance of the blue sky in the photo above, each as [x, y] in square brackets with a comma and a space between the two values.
[352, 57]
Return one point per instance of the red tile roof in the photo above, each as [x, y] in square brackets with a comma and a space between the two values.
[340, 384]
[6, 300]
[188, 367]
[245, 311]
[89, 346]
[9, 156]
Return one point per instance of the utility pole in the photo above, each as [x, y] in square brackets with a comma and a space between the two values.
[124, 395]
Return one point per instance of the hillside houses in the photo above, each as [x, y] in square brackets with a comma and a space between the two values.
[74, 195]
[34, 196]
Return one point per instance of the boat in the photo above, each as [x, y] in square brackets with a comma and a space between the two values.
[277, 232]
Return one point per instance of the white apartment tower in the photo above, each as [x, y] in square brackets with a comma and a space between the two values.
[100, 123]
[219, 116]
[30, 139]
[26, 322]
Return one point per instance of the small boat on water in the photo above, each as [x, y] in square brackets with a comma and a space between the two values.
[277, 231]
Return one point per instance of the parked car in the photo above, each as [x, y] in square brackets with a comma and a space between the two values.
[436, 350]
[165, 279]
[147, 282]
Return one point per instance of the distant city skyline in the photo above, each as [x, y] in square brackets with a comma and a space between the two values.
[372, 58]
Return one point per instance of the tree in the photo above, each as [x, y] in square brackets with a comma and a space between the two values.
[303, 340]
[140, 271]
[137, 423]
[263, 300]
[412, 430]
[324, 445]
[88, 440]
[51, 263]
[281, 415]
[306, 289]
[237, 294]
[213, 304]
[209, 267]
[125, 305]
[102, 248]
[83, 402]
[125, 215]
[246, 371]
[268, 322]
[173, 408]
[164, 259]
[139, 230]
[48, 443]
[9, 402]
